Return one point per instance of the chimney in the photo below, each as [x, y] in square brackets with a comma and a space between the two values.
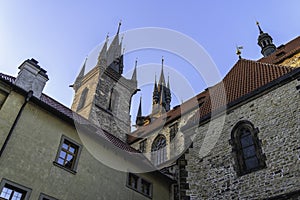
[32, 77]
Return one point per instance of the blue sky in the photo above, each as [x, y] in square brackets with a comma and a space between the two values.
[60, 34]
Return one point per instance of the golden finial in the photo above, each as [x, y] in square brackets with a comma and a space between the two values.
[238, 51]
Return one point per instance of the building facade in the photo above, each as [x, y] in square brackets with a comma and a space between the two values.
[246, 145]
[238, 139]
[44, 154]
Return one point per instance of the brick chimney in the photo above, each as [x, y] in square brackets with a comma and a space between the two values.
[32, 77]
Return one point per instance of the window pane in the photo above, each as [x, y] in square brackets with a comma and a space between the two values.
[65, 146]
[17, 196]
[251, 163]
[145, 187]
[249, 151]
[62, 154]
[70, 157]
[72, 149]
[246, 141]
[6, 193]
[133, 181]
[60, 161]
[245, 132]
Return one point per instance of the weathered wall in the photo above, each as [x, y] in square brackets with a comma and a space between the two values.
[29, 155]
[277, 116]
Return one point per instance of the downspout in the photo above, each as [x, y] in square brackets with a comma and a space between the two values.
[28, 96]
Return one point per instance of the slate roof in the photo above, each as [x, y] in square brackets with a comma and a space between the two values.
[67, 114]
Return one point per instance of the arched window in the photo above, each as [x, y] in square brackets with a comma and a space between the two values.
[158, 150]
[246, 148]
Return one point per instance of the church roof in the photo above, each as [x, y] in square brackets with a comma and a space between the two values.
[283, 52]
[246, 79]
[243, 80]
[67, 114]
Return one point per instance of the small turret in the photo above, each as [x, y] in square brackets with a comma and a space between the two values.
[265, 41]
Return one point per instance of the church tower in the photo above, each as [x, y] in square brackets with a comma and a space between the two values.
[265, 41]
[161, 95]
[103, 95]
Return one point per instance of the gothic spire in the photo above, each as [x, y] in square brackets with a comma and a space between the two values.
[139, 114]
[114, 53]
[139, 118]
[103, 53]
[79, 77]
[162, 76]
[134, 76]
[155, 92]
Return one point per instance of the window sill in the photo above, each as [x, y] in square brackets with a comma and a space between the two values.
[63, 167]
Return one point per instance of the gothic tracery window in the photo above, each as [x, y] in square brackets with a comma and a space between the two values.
[158, 149]
[246, 148]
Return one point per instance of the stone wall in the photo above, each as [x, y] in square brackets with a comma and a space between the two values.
[211, 168]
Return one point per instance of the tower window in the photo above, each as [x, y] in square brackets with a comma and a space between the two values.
[82, 99]
[158, 149]
[246, 148]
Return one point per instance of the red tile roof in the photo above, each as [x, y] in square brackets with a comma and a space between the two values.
[282, 52]
[66, 113]
[245, 77]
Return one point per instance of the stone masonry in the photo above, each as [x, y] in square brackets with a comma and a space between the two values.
[212, 175]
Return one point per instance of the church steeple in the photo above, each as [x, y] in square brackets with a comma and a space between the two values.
[114, 53]
[161, 93]
[103, 92]
[265, 41]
